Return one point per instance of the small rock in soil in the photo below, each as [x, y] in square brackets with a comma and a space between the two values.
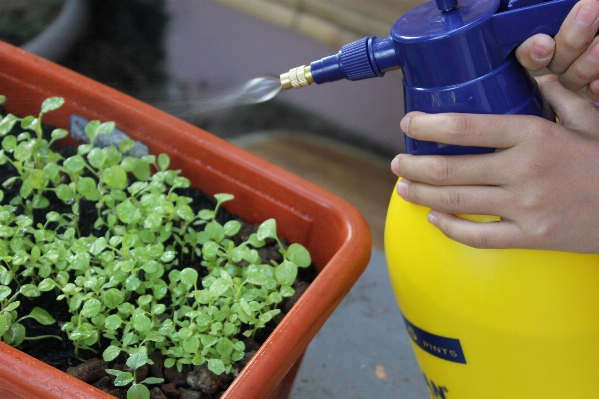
[142, 372]
[271, 253]
[245, 232]
[104, 384]
[190, 394]
[170, 390]
[171, 374]
[90, 371]
[157, 369]
[203, 379]
[156, 393]
[118, 393]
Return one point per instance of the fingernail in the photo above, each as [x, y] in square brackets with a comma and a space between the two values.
[587, 15]
[404, 124]
[395, 164]
[540, 52]
[594, 91]
[432, 219]
[594, 53]
[402, 188]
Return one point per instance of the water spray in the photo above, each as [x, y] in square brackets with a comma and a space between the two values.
[254, 91]
[489, 324]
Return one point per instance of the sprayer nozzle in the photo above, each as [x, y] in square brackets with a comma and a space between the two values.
[297, 78]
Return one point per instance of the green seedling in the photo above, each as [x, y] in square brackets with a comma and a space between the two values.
[125, 286]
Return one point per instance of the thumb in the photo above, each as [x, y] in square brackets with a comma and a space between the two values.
[536, 52]
[573, 110]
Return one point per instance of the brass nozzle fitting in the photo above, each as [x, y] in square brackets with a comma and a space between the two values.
[297, 77]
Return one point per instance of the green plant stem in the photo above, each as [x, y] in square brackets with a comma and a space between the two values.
[42, 337]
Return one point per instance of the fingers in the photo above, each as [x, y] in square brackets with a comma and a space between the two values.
[502, 131]
[479, 200]
[574, 54]
[453, 170]
[504, 234]
[493, 131]
[536, 52]
[577, 31]
[584, 69]
[573, 111]
[593, 90]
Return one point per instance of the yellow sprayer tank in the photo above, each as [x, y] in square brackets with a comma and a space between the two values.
[494, 324]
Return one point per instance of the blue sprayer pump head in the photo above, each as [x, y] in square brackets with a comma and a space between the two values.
[455, 57]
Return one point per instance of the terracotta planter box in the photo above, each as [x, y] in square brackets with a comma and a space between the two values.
[334, 232]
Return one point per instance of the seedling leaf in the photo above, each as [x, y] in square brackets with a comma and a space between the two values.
[51, 104]
[42, 316]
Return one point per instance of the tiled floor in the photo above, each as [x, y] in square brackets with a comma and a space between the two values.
[363, 351]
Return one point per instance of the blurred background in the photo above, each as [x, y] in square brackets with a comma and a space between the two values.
[183, 56]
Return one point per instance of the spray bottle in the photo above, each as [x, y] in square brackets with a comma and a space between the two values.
[489, 324]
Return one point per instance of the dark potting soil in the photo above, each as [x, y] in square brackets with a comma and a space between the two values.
[191, 382]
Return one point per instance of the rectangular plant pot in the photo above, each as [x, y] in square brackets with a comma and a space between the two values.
[334, 231]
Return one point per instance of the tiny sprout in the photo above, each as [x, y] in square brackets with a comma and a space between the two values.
[92, 129]
[163, 162]
[58, 134]
[52, 104]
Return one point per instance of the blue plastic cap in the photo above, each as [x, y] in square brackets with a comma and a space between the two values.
[446, 5]
[355, 62]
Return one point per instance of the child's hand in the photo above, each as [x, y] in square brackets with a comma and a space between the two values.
[543, 183]
[574, 55]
